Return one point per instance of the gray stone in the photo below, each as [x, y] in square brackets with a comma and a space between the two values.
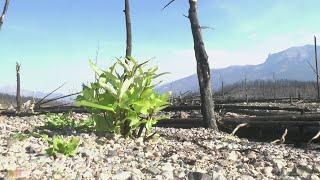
[87, 174]
[279, 163]
[112, 153]
[198, 176]
[268, 171]
[218, 176]
[246, 177]
[233, 156]
[252, 155]
[315, 177]
[153, 170]
[124, 175]
[316, 168]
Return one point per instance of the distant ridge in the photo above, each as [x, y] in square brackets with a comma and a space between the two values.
[11, 90]
[289, 64]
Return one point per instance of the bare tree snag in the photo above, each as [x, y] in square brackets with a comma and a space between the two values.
[18, 95]
[203, 70]
[5, 8]
[246, 88]
[317, 72]
[128, 28]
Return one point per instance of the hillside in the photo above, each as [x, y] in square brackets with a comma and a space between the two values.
[267, 89]
[289, 64]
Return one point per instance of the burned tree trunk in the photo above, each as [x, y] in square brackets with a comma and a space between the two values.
[18, 95]
[128, 29]
[5, 8]
[203, 70]
[317, 72]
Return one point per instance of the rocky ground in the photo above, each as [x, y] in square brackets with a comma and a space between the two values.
[176, 154]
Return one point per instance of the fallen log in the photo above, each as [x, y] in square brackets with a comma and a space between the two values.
[264, 124]
[231, 107]
[293, 118]
[181, 123]
[253, 112]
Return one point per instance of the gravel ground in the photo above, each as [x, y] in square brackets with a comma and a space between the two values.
[176, 154]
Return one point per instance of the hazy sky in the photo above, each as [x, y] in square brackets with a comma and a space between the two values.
[54, 39]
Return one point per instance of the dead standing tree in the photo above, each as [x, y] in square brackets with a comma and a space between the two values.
[128, 28]
[203, 69]
[5, 8]
[317, 72]
[18, 95]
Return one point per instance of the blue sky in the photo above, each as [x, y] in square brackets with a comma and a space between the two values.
[54, 39]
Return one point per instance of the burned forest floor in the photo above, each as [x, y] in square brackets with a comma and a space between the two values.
[171, 154]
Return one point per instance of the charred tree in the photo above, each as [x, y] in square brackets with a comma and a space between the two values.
[18, 95]
[128, 28]
[5, 8]
[317, 72]
[203, 70]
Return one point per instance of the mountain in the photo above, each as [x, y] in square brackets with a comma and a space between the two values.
[11, 90]
[289, 64]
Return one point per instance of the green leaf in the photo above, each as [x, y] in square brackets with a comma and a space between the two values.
[126, 84]
[146, 93]
[103, 123]
[95, 68]
[120, 102]
[95, 105]
[124, 65]
[107, 86]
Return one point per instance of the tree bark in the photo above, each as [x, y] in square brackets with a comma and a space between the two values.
[317, 72]
[128, 29]
[203, 70]
[5, 8]
[18, 95]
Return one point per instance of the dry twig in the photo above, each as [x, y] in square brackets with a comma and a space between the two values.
[238, 127]
[315, 137]
[282, 139]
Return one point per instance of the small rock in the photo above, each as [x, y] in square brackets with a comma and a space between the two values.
[198, 176]
[124, 175]
[181, 175]
[153, 170]
[252, 155]
[233, 156]
[246, 177]
[314, 177]
[184, 115]
[301, 172]
[168, 174]
[139, 141]
[279, 164]
[30, 150]
[268, 171]
[112, 153]
[87, 174]
[316, 168]
[218, 176]
[175, 157]
[167, 167]
[103, 176]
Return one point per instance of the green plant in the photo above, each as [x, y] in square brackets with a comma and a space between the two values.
[58, 122]
[122, 103]
[19, 136]
[62, 146]
[61, 122]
